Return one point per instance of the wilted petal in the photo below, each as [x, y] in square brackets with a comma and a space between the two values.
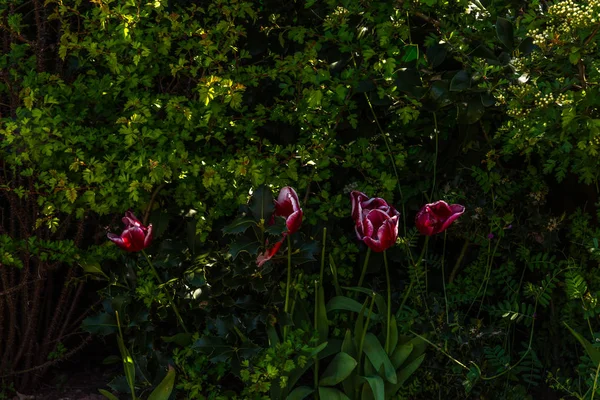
[148, 238]
[267, 255]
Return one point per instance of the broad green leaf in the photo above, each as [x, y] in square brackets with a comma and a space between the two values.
[165, 387]
[108, 394]
[261, 204]
[436, 54]
[377, 387]
[300, 393]
[92, 268]
[504, 31]
[378, 357]
[338, 369]
[460, 81]
[593, 352]
[403, 375]
[348, 304]
[393, 334]
[326, 393]
[401, 354]
[321, 320]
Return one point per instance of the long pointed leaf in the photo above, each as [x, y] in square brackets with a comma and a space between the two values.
[403, 375]
[377, 386]
[592, 351]
[338, 369]
[327, 393]
[165, 387]
[401, 354]
[347, 304]
[378, 357]
[300, 393]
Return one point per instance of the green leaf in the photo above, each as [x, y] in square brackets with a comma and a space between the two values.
[165, 387]
[348, 304]
[403, 375]
[378, 357]
[377, 386]
[393, 334]
[593, 352]
[411, 53]
[243, 244]
[239, 225]
[92, 268]
[460, 81]
[128, 364]
[261, 204]
[331, 394]
[475, 110]
[181, 339]
[401, 354]
[322, 321]
[436, 54]
[108, 394]
[300, 393]
[101, 324]
[338, 369]
[504, 31]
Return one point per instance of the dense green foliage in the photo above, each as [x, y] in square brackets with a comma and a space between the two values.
[187, 112]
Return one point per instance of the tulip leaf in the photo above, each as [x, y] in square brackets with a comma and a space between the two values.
[321, 315]
[378, 357]
[300, 393]
[593, 352]
[377, 387]
[261, 204]
[393, 334]
[338, 369]
[331, 394]
[165, 387]
[108, 394]
[239, 225]
[401, 354]
[403, 375]
[348, 304]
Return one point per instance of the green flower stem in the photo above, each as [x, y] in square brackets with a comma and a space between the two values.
[389, 303]
[364, 268]
[408, 291]
[288, 284]
[316, 316]
[169, 297]
[444, 278]
[362, 341]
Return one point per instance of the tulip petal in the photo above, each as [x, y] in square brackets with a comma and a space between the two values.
[287, 202]
[116, 239]
[267, 255]
[294, 221]
[148, 238]
[436, 217]
[357, 198]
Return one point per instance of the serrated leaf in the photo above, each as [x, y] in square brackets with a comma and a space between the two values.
[239, 225]
[261, 203]
[244, 244]
[100, 324]
[338, 369]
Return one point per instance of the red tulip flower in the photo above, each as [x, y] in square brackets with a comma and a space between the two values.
[375, 221]
[135, 236]
[437, 217]
[287, 205]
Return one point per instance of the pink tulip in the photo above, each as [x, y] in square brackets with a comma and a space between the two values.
[437, 217]
[287, 205]
[375, 221]
[135, 236]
